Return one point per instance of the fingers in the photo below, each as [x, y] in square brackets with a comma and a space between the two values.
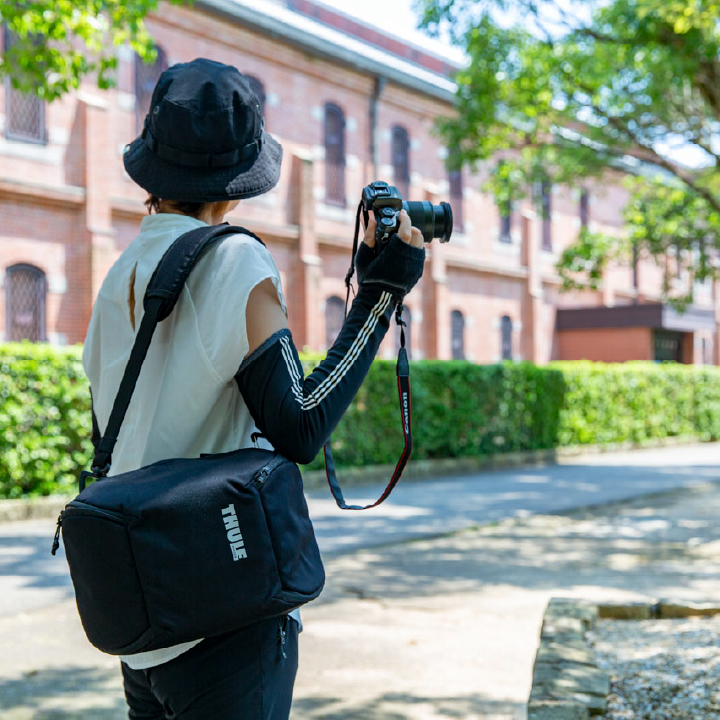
[417, 238]
[369, 236]
[407, 232]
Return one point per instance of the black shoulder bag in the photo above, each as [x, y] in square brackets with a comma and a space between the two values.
[188, 548]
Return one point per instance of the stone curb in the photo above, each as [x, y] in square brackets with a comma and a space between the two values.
[416, 470]
[32, 508]
[662, 609]
[567, 683]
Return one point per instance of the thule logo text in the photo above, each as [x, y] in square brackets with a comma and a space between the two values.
[234, 536]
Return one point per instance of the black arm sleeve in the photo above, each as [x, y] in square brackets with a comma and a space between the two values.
[298, 415]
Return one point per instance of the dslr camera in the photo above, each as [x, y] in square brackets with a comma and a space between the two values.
[385, 202]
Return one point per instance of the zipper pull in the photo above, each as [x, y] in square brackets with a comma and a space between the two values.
[56, 540]
[282, 636]
[262, 475]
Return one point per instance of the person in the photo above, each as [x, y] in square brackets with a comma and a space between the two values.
[223, 365]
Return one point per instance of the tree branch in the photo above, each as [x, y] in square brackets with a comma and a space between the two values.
[657, 159]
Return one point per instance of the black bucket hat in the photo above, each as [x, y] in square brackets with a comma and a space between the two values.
[204, 138]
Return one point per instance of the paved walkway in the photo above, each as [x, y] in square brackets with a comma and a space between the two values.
[423, 628]
[432, 507]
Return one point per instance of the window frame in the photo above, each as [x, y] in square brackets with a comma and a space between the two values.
[455, 180]
[454, 326]
[41, 289]
[10, 92]
[546, 215]
[400, 148]
[505, 222]
[339, 305]
[506, 344]
[505, 210]
[584, 208]
[161, 62]
[335, 189]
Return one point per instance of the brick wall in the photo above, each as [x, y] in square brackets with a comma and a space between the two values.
[69, 209]
[606, 344]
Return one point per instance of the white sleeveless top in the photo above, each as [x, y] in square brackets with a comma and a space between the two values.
[186, 401]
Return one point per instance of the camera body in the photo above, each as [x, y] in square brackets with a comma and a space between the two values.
[385, 202]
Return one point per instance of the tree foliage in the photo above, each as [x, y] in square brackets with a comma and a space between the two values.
[55, 43]
[568, 91]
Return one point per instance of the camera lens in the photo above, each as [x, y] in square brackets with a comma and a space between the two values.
[434, 221]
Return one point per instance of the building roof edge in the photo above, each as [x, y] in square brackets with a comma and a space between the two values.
[342, 48]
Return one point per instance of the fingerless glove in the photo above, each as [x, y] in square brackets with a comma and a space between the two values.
[396, 269]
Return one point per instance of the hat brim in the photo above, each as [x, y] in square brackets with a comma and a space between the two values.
[173, 182]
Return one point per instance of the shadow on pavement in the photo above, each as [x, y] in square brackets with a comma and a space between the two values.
[389, 706]
[434, 507]
[55, 693]
[29, 556]
[646, 545]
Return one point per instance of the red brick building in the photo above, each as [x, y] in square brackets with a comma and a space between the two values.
[349, 104]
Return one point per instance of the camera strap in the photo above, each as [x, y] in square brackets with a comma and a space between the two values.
[403, 380]
[402, 370]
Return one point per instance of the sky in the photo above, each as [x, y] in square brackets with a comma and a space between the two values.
[401, 20]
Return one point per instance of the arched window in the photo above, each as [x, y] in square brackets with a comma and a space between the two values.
[146, 77]
[24, 112]
[506, 338]
[584, 207]
[334, 319]
[407, 318]
[259, 89]
[546, 206]
[505, 203]
[334, 155]
[25, 290]
[401, 160]
[457, 335]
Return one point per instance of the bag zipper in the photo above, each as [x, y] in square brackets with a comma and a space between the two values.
[261, 476]
[264, 473]
[282, 635]
[117, 516]
[80, 505]
[56, 539]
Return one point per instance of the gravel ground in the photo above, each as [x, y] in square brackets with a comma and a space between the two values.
[661, 668]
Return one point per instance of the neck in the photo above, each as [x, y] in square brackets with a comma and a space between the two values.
[210, 213]
[213, 214]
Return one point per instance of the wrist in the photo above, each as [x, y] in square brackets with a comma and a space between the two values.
[371, 292]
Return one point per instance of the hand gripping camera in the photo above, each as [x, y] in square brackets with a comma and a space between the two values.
[433, 221]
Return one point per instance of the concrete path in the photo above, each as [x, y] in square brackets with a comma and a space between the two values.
[437, 628]
[432, 507]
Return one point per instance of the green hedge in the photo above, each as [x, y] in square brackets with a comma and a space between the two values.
[459, 410]
[45, 420]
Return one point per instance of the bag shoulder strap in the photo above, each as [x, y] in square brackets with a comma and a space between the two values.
[161, 295]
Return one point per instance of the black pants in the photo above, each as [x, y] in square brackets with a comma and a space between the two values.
[247, 674]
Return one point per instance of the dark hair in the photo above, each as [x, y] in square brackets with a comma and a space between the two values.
[186, 208]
